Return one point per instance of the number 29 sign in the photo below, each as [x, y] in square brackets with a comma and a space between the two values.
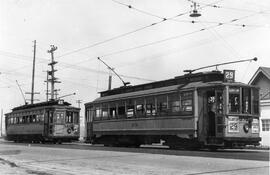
[229, 75]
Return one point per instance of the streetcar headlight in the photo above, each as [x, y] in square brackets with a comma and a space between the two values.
[255, 126]
[246, 128]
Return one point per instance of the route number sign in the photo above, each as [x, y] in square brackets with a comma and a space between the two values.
[229, 75]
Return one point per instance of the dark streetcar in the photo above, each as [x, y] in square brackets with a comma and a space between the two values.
[54, 121]
[207, 109]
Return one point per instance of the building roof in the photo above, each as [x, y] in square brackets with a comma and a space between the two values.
[264, 70]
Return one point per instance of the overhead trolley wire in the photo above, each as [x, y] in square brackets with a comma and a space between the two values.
[161, 41]
[174, 37]
[127, 33]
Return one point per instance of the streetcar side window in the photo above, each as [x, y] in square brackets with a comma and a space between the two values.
[255, 100]
[112, 110]
[234, 99]
[186, 102]
[34, 118]
[98, 112]
[162, 104]
[174, 103]
[105, 112]
[76, 117]
[121, 109]
[139, 107]
[246, 101]
[130, 108]
[150, 106]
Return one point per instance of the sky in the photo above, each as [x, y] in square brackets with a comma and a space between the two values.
[143, 40]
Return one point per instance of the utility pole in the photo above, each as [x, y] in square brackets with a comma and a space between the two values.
[33, 73]
[79, 103]
[52, 79]
[33, 76]
[47, 86]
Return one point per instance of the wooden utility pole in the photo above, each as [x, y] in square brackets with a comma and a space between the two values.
[33, 74]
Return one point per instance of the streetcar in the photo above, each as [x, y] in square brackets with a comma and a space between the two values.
[195, 110]
[51, 121]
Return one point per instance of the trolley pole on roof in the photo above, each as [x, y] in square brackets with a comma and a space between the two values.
[112, 69]
[216, 65]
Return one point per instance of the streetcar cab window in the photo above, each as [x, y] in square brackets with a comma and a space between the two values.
[255, 101]
[59, 117]
[246, 100]
[234, 99]
[69, 117]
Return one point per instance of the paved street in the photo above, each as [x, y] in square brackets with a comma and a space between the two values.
[35, 159]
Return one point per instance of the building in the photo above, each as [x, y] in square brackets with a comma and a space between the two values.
[261, 78]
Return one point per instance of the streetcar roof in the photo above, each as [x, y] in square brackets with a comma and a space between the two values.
[167, 89]
[43, 104]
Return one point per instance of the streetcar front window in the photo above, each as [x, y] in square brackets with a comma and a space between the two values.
[69, 117]
[234, 99]
[246, 100]
[59, 117]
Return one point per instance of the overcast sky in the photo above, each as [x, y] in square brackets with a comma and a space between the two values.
[136, 41]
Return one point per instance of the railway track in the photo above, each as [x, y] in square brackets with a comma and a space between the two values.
[242, 154]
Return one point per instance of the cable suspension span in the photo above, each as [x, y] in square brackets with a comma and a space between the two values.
[112, 69]
[221, 64]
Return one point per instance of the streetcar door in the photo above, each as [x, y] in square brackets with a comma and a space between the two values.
[89, 123]
[214, 113]
[211, 113]
[48, 121]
